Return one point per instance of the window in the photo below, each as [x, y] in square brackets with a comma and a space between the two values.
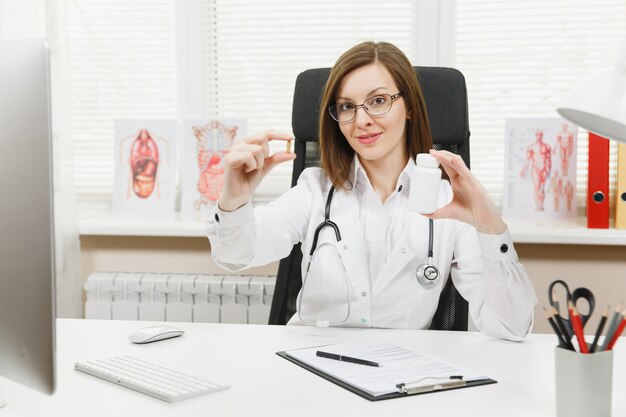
[22, 19]
[520, 59]
[174, 59]
[253, 51]
[167, 59]
[119, 62]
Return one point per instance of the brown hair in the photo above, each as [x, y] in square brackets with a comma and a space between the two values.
[336, 152]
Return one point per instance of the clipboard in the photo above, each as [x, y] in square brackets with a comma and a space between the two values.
[403, 389]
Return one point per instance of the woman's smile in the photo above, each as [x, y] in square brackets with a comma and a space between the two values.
[368, 138]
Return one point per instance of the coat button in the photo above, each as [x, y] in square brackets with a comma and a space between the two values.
[504, 248]
[217, 218]
[345, 247]
[403, 250]
[363, 293]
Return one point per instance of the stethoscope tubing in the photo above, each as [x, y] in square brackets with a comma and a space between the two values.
[426, 274]
[326, 223]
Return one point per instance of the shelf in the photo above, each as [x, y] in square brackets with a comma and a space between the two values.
[559, 231]
[563, 231]
[105, 223]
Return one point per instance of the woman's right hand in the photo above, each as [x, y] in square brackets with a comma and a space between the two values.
[247, 163]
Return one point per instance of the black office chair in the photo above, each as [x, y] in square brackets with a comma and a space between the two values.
[446, 101]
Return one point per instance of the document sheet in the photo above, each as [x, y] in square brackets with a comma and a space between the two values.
[398, 365]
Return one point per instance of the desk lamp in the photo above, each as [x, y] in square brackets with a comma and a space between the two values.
[597, 103]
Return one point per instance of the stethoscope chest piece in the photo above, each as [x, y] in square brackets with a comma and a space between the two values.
[427, 274]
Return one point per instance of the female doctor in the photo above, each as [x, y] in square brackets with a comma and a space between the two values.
[364, 252]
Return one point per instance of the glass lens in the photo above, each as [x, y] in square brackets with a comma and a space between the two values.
[379, 104]
[342, 112]
[325, 295]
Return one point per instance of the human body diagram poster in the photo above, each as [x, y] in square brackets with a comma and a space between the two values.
[540, 168]
[205, 144]
[145, 166]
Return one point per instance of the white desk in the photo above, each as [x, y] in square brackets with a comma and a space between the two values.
[263, 384]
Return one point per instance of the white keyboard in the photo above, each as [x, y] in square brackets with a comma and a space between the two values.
[149, 378]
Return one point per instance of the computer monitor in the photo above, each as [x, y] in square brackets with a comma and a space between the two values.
[26, 216]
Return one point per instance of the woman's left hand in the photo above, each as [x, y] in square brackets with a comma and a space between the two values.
[471, 203]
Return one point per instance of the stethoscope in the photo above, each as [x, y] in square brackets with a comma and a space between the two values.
[426, 274]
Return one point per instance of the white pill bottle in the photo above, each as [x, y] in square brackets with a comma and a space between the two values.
[425, 181]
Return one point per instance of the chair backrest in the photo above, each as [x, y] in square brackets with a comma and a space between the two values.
[445, 94]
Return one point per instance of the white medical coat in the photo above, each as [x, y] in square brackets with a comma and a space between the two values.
[382, 246]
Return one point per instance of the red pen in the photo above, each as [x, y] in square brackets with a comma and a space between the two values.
[577, 325]
[617, 333]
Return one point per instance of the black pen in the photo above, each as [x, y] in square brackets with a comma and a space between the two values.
[343, 358]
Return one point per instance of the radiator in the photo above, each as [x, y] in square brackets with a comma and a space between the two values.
[179, 297]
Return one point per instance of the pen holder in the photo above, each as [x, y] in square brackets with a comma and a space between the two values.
[584, 383]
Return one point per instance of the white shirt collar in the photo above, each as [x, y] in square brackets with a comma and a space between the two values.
[359, 175]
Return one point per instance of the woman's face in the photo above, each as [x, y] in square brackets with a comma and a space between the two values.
[374, 138]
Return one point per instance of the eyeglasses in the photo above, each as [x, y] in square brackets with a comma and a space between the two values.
[374, 106]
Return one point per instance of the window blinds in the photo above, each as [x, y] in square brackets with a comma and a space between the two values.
[120, 64]
[254, 50]
[520, 59]
[121, 61]
[22, 19]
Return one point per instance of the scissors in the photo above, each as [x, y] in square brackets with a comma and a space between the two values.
[573, 296]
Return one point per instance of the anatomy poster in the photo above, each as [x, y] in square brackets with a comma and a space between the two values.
[145, 166]
[540, 168]
[206, 143]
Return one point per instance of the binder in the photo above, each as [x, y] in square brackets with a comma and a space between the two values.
[419, 384]
[620, 198]
[598, 183]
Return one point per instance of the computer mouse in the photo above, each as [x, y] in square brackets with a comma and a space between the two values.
[154, 333]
